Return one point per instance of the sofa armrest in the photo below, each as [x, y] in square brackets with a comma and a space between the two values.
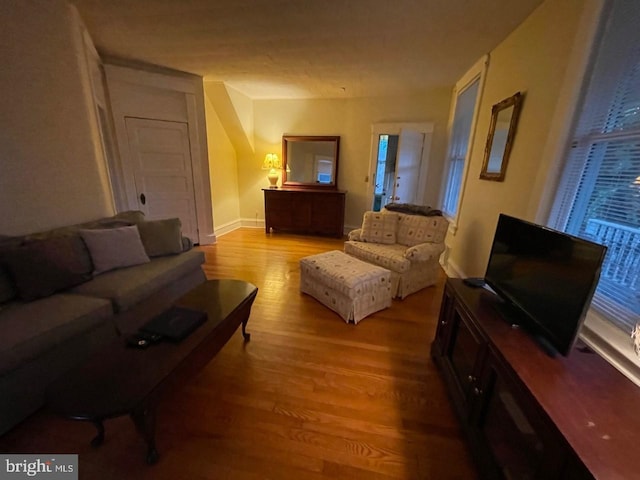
[354, 235]
[187, 244]
[424, 251]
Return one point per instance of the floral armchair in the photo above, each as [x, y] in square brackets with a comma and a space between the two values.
[406, 244]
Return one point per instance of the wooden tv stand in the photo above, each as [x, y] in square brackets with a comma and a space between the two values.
[524, 413]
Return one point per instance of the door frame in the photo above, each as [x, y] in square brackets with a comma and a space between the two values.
[426, 128]
[169, 96]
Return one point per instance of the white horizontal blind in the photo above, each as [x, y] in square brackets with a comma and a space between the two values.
[459, 145]
[599, 193]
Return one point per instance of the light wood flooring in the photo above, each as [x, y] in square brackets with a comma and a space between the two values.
[309, 397]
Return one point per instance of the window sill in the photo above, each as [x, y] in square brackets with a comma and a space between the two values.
[611, 343]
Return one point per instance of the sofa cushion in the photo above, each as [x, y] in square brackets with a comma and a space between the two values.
[128, 286]
[43, 267]
[390, 257]
[415, 229]
[379, 227]
[161, 237]
[133, 216]
[30, 329]
[113, 248]
[123, 219]
[7, 286]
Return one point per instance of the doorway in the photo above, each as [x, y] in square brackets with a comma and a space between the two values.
[385, 170]
[399, 163]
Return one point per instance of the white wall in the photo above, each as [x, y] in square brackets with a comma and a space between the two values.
[51, 173]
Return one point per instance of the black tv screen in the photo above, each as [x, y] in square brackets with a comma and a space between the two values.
[547, 276]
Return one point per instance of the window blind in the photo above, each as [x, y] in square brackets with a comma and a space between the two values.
[459, 145]
[599, 193]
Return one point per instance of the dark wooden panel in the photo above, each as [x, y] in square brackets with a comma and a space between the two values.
[305, 211]
[586, 403]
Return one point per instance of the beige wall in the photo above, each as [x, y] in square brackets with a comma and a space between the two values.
[532, 60]
[351, 119]
[223, 171]
[50, 174]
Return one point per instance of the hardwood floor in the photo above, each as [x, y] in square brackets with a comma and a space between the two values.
[309, 397]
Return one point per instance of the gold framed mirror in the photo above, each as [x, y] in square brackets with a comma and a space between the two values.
[310, 161]
[504, 119]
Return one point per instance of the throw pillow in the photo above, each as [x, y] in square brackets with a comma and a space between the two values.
[43, 267]
[379, 227]
[114, 248]
[132, 216]
[161, 237]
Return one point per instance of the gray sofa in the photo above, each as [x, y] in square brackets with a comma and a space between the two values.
[46, 336]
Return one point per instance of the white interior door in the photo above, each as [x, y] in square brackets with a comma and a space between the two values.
[161, 158]
[408, 166]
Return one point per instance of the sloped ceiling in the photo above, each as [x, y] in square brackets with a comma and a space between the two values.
[307, 48]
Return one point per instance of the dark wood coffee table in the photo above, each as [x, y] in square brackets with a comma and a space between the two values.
[121, 380]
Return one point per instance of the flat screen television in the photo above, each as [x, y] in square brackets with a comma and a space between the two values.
[546, 279]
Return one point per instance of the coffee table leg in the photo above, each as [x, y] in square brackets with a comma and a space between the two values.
[145, 422]
[247, 336]
[99, 438]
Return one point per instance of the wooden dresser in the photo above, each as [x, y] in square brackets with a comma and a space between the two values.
[319, 212]
[525, 414]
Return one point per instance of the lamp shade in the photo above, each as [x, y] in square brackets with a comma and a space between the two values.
[271, 160]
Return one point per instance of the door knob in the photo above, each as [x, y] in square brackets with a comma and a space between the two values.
[143, 199]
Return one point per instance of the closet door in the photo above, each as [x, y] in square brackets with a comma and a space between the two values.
[161, 159]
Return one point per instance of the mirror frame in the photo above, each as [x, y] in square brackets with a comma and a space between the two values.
[286, 183]
[514, 101]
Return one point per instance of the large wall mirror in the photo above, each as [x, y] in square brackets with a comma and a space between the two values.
[504, 119]
[310, 162]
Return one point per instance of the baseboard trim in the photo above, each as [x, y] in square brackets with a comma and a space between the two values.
[239, 223]
[453, 270]
[257, 223]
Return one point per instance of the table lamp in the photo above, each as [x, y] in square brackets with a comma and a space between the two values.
[272, 163]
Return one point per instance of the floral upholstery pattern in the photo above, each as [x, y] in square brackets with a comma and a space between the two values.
[413, 260]
[390, 257]
[348, 286]
[378, 227]
[416, 229]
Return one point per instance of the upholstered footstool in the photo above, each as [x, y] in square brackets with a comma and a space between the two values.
[348, 286]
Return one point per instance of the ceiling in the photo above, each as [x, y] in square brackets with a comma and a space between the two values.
[307, 48]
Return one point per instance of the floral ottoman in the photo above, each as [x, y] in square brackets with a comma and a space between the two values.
[348, 286]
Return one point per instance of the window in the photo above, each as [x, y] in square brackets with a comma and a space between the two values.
[461, 136]
[458, 146]
[599, 192]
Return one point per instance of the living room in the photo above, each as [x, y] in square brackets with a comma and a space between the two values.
[53, 172]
